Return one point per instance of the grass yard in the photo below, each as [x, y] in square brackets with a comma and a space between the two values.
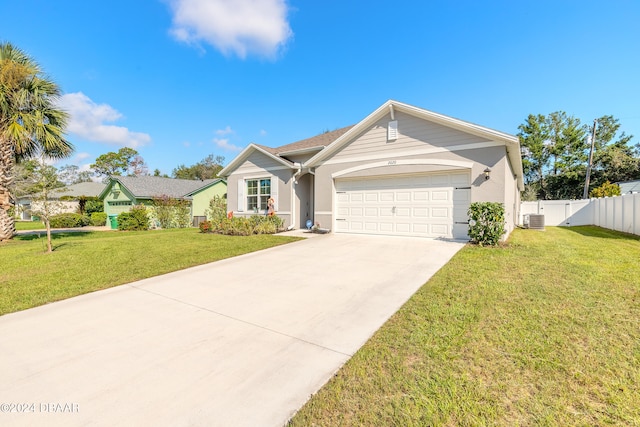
[29, 225]
[544, 331]
[86, 262]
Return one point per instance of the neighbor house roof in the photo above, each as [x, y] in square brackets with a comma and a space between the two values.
[147, 187]
[628, 187]
[82, 189]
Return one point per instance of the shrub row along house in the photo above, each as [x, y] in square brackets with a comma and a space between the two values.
[123, 192]
[402, 170]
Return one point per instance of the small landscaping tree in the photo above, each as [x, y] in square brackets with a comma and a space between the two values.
[607, 189]
[171, 213]
[44, 179]
[486, 223]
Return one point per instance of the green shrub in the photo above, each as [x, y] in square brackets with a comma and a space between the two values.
[93, 205]
[98, 219]
[172, 213]
[486, 223]
[243, 226]
[217, 208]
[68, 220]
[607, 189]
[134, 220]
[205, 227]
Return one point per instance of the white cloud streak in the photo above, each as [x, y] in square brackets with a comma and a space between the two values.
[240, 27]
[88, 120]
[225, 131]
[225, 144]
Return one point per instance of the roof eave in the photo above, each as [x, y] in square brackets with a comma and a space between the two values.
[302, 151]
[244, 154]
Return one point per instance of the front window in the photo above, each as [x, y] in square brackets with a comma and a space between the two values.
[258, 193]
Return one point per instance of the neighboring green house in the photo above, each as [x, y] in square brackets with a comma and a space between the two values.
[123, 192]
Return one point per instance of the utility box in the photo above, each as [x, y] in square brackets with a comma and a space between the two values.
[536, 222]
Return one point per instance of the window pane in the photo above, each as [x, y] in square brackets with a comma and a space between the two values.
[252, 187]
[265, 187]
[252, 202]
[263, 202]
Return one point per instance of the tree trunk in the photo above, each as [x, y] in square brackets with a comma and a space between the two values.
[49, 245]
[7, 163]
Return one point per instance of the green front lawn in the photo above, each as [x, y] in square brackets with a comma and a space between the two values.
[86, 262]
[29, 225]
[545, 331]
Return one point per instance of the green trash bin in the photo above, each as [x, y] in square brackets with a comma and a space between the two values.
[113, 219]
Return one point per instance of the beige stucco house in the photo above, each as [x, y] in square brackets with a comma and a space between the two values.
[402, 170]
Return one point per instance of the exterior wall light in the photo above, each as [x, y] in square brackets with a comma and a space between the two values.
[487, 171]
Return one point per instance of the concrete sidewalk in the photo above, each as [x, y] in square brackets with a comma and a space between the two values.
[241, 342]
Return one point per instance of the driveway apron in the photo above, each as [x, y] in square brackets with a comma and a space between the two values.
[243, 341]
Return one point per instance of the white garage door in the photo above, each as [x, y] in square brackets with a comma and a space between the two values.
[433, 205]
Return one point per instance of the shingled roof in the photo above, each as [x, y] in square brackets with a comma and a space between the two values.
[318, 141]
[147, 187]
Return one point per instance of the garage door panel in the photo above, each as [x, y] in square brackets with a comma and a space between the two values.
[386, 211]
[355, 211]
[462, 195]
[421, 228]
[403, 196]
[426, 205]
[387, 197]
[420, 196]
[421, 212]
[386, 227]
[403, 227]
[371, 212]
[439, 195]
[439, 212]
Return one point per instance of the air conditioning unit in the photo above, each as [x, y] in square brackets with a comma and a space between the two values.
[536, 222]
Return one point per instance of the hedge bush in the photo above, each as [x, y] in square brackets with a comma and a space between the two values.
[68, 220]
[243, 226]
[135, 220]
[486, 223]
[98, 219]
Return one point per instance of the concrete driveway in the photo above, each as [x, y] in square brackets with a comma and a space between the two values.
[241, 342]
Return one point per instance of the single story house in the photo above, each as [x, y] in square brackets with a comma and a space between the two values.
[122, 192]
[402, 170]
[629, 187]
[68, 199]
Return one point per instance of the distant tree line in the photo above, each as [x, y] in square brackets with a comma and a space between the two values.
[555, 151]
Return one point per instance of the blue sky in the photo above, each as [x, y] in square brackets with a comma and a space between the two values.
[181, 79]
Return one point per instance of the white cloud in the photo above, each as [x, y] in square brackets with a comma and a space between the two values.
[225, 144]
[240, 27]
[81, 156]
[263, 132]
[225, 131]
[87, 120]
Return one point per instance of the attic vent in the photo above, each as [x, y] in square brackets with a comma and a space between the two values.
[392, 131]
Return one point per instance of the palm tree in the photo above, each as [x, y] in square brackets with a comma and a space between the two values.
[30, 122]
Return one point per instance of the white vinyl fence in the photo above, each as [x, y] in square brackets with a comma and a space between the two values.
[621, 213]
